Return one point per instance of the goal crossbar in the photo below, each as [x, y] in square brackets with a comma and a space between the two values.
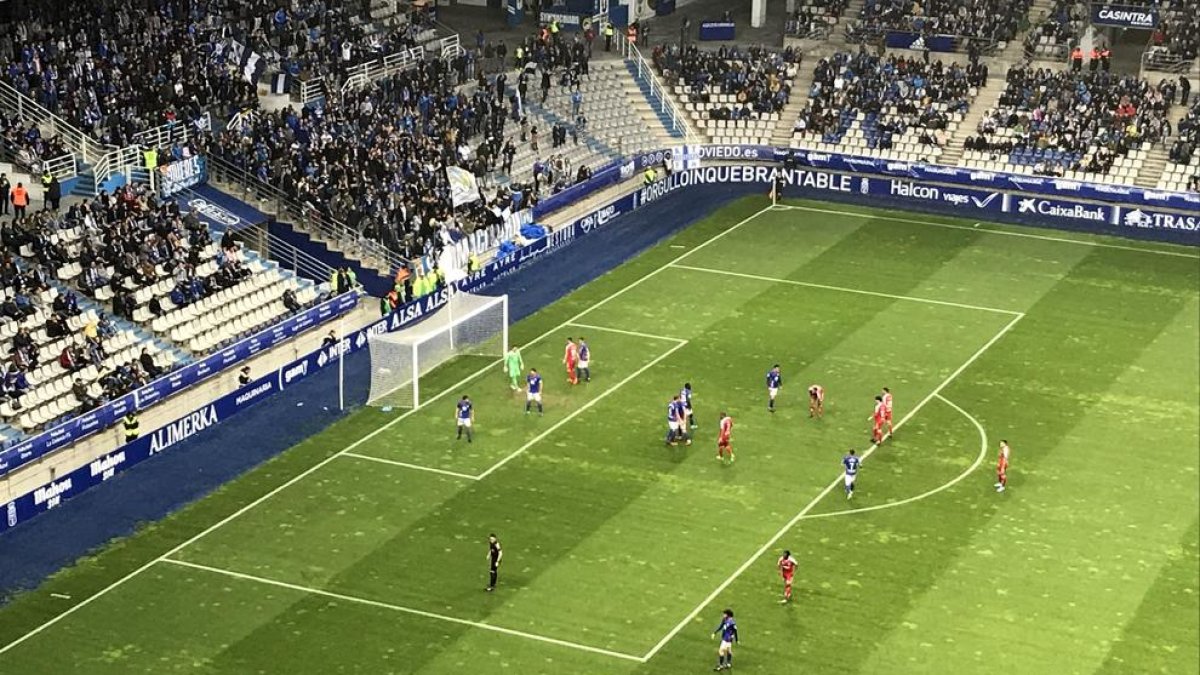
[466, 325]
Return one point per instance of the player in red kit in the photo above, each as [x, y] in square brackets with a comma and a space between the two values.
[816, 401]
[877, 419]
[787, 569]
[1002, 467]
[725, 438]
[887, 409]
[571, 359]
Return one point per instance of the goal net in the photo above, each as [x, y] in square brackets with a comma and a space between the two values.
[466, 325]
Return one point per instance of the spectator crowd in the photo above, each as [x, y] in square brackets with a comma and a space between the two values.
[1081, 121]
[894, 93]
[757, 78]
[986, 20]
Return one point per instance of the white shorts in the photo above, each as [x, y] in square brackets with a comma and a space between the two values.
[531, 396]
[583, 364]
[464, 422]
[725, 648]
[850, 480]
[772, 391]
[673, 426]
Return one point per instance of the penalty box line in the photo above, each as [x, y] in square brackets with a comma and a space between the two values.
[403, 610]
[316, 467]
[936, 393]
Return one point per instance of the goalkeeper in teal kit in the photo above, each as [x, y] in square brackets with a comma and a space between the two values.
[514, 366]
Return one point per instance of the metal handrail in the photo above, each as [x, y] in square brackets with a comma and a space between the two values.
[29, 111]
[302, 215]
[172, 132]
[63, 167]
[1165, 62]
[308, 91]
[291, 258]
[377, 69]
[679, 121]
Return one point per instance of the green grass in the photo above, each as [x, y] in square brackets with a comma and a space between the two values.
[620, 552]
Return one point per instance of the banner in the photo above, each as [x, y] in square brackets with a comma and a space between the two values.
[934, 43]
[181, 175]
[218, 210]
[463, 187]
[718, 30]
[1125, 16]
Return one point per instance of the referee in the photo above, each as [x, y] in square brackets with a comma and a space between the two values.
[494, 555]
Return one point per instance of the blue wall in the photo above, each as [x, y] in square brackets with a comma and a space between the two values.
[33, 550]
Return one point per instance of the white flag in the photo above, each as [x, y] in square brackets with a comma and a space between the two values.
[463, 188]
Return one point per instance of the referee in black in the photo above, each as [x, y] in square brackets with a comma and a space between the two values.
[494, 555]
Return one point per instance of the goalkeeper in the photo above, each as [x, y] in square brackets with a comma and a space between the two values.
[514, 366]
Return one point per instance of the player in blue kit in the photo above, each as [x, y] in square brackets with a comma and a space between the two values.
[850, 463]
[676, 422]
[585, 359]
[685, 395]
[774, 382]
[465, 416]
[729, 635]
[533, 391]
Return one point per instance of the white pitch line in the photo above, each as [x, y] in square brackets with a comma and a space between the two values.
[1005, 233]
[983, 444]
[580, 410]
[415, 467]
[403, 610]
[842, 289]
[622, 331]
[309, 471]
[829, 488]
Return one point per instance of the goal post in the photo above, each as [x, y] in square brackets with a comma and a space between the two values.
[466, 325]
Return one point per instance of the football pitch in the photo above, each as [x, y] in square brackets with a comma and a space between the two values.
[362, 550]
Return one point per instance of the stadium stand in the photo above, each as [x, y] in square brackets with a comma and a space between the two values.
[1176, 40]
[25, 144]
[101, 65]
[1057, 29]
[991, 21]
[894, 107]
[1094, 125]
[1183, 166]
[816, 18]
[734, 94]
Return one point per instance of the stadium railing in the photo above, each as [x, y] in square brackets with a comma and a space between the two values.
[365, 73]
[29, 111]
[309, 90]
[64, 167]
[666, 103]
[241, 184]
[165, 135]
[1160, 61]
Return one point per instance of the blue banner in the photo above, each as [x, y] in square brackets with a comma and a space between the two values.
[717, 30]
[182, 174]
[1125, 16]
[997, 180]
[218, 210]
[934, 43]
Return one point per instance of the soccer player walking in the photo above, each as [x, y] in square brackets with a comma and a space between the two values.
[774, 382]
[585, 359]
[464, 415]
[494, 555]
[850, 463]
[877, 419]
[725, 438]
[514, 365]
[1002, 467]
[816, 401]
[533, 392]
[787, 569]
[887, 409]
[729, 635]
[571, 359]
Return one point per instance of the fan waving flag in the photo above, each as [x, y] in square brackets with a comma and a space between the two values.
[463, 188]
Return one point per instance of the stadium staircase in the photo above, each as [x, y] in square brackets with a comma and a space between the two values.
[648, 103]
[781, 136]
[1157, 157]
[952, 152]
